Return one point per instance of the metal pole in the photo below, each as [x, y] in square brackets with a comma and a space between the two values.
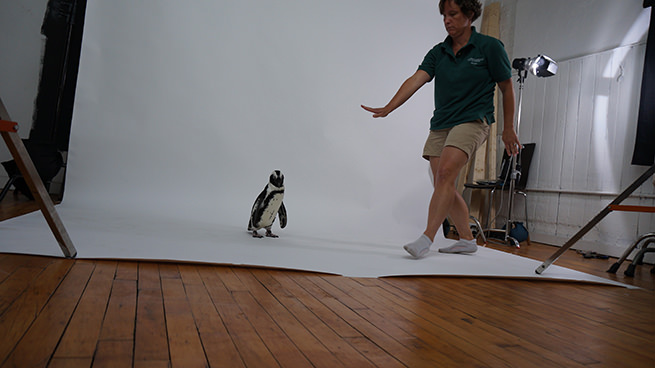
[604, 212]
[513, 173]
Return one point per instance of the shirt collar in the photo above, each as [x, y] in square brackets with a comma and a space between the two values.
[472, 41]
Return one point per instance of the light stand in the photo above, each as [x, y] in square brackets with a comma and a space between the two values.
[541, 66]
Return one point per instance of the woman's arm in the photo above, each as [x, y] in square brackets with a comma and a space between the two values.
[406, 90]
[510, 138]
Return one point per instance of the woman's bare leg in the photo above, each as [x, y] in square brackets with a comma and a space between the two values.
[445, 200]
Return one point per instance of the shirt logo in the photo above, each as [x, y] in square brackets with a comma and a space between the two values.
[475, 61]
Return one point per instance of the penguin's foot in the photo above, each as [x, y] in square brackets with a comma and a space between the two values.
[270, 234]
[419, 247]
[255, 234]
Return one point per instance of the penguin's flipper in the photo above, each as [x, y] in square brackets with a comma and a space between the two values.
[282, 214]
[256, 207]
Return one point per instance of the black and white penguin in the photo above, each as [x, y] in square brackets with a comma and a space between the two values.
[268, 205]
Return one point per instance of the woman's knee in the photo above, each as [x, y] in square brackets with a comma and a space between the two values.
[450, 164]
[446, 175]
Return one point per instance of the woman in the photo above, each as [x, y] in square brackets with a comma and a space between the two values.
[466, 68]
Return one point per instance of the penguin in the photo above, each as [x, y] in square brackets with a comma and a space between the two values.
[268, 205]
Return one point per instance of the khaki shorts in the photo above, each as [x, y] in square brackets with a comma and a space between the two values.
[466, 136]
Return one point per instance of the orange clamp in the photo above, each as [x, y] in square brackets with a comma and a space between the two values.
[8, 126]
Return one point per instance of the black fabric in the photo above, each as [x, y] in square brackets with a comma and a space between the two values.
[644, 152]
[47, 160]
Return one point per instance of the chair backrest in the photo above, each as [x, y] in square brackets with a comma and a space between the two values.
[525, 159]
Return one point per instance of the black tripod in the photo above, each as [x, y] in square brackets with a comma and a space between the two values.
[514, 171]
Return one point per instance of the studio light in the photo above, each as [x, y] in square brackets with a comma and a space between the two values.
[541, 65]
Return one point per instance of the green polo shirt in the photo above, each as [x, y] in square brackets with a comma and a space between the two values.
[464, 84]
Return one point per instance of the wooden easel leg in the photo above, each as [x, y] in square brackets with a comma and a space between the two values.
[31, 176]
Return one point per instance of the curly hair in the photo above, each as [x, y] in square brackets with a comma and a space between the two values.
[471, 8]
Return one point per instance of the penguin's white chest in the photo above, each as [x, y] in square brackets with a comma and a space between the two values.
[271, 209]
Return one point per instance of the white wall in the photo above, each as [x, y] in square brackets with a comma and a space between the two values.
[21, 43]
[563, 29]
[584, 119]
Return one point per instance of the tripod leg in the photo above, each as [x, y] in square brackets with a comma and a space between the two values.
[626, 254]
[513, 242]
[480, 231]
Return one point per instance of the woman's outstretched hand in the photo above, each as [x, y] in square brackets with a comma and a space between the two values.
[378, 112]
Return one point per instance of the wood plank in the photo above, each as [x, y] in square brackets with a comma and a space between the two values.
[611, 326]
[373, 352]
[229, 279]
[307, 313]
[168, 271]
[548, 337]
[189, 274]
[121, 311]
[291, 316]
[483, 318]
[498, 346]
[184, 343]
[589, 316]
[286, 353]
[81, 335]
[16, 319]
[279, 281]
[148, 275]
[15, 284]
[39, 342]
[252, 349]
[152, 364]
[347, 298]
[127, 270]
[70, 363]
[218, 345]
[150, 340]
[296, 315]
[617, 343]
[532, 323]
[410, 356]
[11, 262]
[113, 353]
[432, 338]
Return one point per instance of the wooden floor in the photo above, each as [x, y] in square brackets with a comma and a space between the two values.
[82, 313]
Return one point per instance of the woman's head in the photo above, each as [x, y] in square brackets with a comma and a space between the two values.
[471, 8]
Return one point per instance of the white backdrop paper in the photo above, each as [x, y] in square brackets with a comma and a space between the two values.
[184, 108]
